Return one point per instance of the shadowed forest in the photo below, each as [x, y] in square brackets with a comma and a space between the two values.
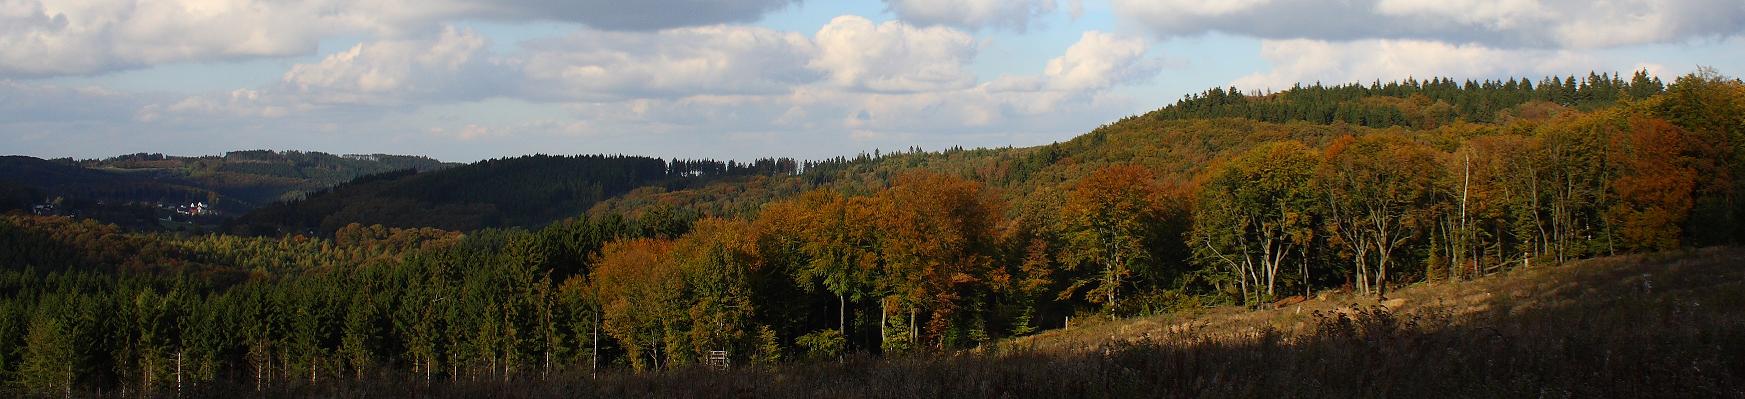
[965, 272]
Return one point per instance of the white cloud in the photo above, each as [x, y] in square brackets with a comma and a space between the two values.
[1496, 24]
[1101, 60]
[394, 71]
[1488, 14]
[1015, 15]
[58, 120]
[1070, 89]
[598, 65]
[589, 65]
[686, 116]
[851, 53]
[828, 110]
[894, 56]
[1307, 61]
[638, 15]
[45, 38]
[241, 103]
[81, 37]
[1653, 69]
[453, 66]
[24, 102]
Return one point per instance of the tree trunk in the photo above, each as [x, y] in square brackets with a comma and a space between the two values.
[1306, 282]
[1381, 274]
[545, 313]
[1115, 286]
[912, 332]
[1465, 226]
[594, 361]
[146, 376]
[259, 368]
[1361, 258]
[1269, 268]
[884, 314]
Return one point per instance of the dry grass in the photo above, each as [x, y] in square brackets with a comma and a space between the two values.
[1713, 275]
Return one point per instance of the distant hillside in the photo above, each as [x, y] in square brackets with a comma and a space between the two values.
[60, 177]
[521, 191]
[259, 177]
[121, 197]
[130, 190]
[16, 196]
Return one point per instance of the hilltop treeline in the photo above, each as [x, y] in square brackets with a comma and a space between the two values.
[1420, 104]
[322, 169]
[876, 256]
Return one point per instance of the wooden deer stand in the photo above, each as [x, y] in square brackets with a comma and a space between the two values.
[718, 360]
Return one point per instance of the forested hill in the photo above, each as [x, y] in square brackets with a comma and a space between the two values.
[63, 178]
[519, 191]
[232, 183]
[1180, 141]
[258, 177]
[102, 194]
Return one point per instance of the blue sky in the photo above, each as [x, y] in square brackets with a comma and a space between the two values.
[464, 80]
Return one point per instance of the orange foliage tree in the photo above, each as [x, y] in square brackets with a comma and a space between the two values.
[1655, 183]
[1380, 191]
[937, 243]
[1109, 223]
[641, 295]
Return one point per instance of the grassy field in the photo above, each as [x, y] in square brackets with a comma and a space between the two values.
[1660, 325]
[1710, 281]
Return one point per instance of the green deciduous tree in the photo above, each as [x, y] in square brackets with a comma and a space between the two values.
[1256, 212]
[50, 360]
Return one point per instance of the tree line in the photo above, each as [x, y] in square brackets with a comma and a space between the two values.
[1420, 104]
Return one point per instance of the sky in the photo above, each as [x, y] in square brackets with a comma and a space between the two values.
[464, 80]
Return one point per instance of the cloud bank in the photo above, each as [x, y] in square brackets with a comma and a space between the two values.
[852, 81]
[1492, 23]
[81, 37]
[1016, 15]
